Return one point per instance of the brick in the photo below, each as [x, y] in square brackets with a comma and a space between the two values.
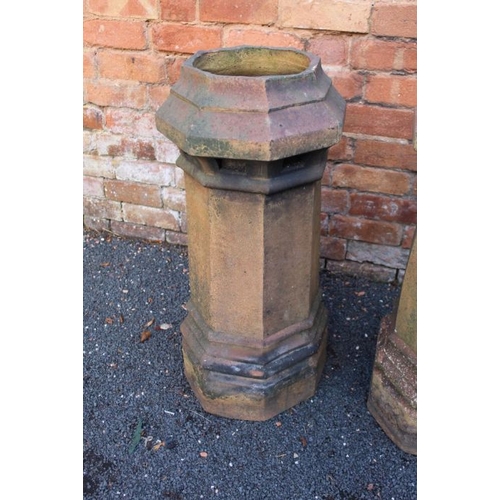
[334, 200]
[324, 224]
[239, 11]
[374, 54]
[92, 118]
[166, 151]
[379, 121]
[354, 228]
[134, 148]
[389, 19]
[100, 208]
[116, 34]
[157, 95]
[175, 238]
[138, 231]
[150, 216]
[408, 236]
[343, 150]
[118, 95]
[271, 38]
[178, 10]
[331, 49]
[367, 270]
[89, 69]
[131, 122]
[349, 84]
[385, 154]
[131, 192]
[89, 142]
[332, 248]
[107, 144]
[179, 178]
[391, 89]
[326, 14]
[326, 179]
[146, 67]
[93, 224]
[174, 66]
[395, 257]
[93, 186]
[174, 198]
[371, 179]
[159, 174]
[384, 208]
[144, 9]
[97, 166]
[186, 38]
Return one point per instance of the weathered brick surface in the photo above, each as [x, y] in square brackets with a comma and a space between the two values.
[394, 19]
[176, 238]
[143, 67]
[331, 49]
[137, 231]
[94, 224]
[151, 216]
[234, 36]
[355, 228]
[185, 38]
[89, 70]
[348, 83]
[332, 248]
[98, 166]
[101, 208]
[389, 256]
[158, 174]
[371, 179]
[178, 10]
[132, 122]
[371, 271]
[92, 118]
[385, 154]
[383, 207]
[342, 151]
[334, 200]
[340, 15]
[240, 11]
[145, 9]
[379, 121]
[383, 55]
[174, 198]
[93, 186]
[117, 34]
[105, 93]
[391, 89]
[132, 192]
[408, 236]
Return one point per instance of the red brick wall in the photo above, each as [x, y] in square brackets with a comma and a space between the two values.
[133, 50]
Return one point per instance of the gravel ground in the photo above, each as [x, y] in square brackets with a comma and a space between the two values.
[145, 434]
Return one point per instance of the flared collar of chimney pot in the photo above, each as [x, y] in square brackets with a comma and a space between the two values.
[254, 103]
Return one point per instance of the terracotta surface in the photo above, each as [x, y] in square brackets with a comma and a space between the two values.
[253, 125]
[393, 393]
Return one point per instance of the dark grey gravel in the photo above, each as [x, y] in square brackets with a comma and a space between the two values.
[145, 434]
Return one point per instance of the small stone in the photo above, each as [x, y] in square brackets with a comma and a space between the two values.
[203, 454]
[170, 443]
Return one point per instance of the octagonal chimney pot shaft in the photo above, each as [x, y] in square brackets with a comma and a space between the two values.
[253, 125]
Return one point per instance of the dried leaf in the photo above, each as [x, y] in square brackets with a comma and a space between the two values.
[158, 445]
[165, 326]
[136, 438]
[121, 319]
[145, 335]
[203, 454]
[149, 323]
[303, 440]
[109, 321]
[105, 264]
[278, 424]
[360, 294]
